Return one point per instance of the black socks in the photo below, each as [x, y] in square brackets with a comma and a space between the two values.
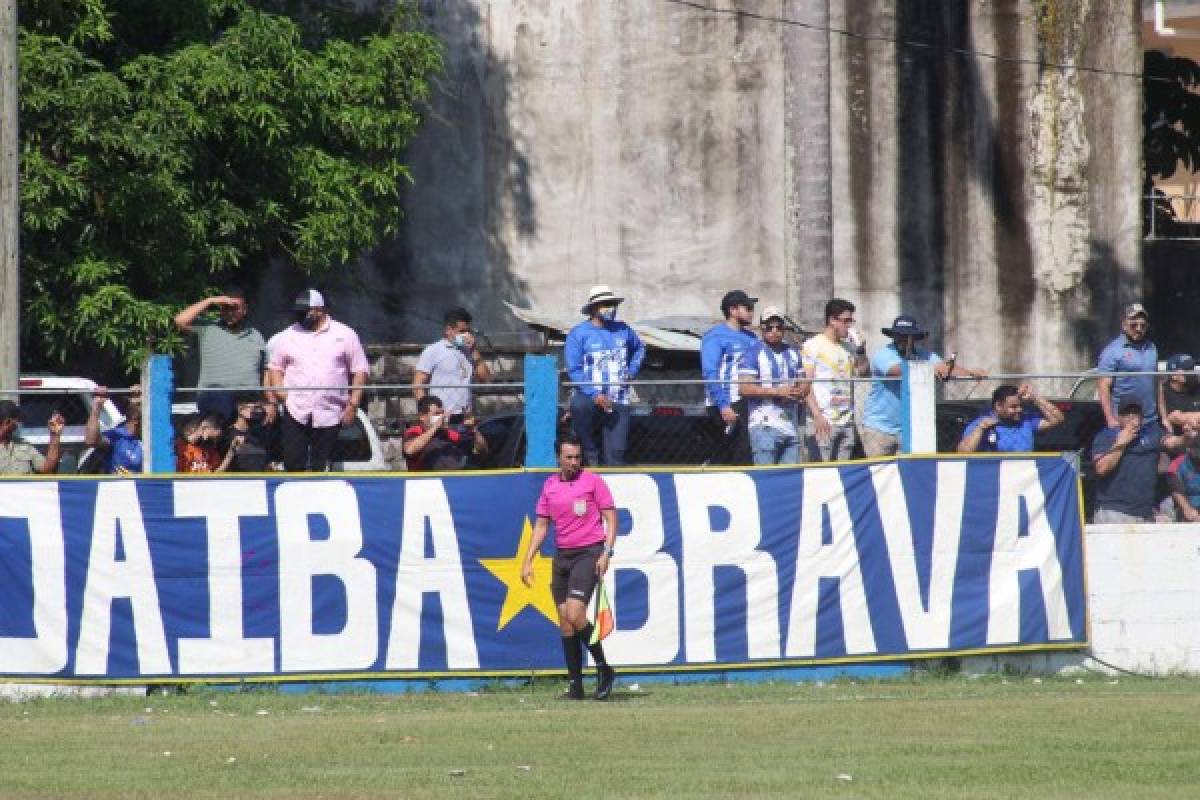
[597, 649]
[573, 653]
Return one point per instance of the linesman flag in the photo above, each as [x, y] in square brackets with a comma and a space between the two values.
[603, 621]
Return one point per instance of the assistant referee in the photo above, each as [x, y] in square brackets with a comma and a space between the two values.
[585, 528]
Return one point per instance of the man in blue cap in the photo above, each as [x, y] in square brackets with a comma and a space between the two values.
[881, 419]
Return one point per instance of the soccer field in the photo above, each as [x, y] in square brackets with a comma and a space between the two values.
[920, 737]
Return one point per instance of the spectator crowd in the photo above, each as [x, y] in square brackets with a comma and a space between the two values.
[280, 403]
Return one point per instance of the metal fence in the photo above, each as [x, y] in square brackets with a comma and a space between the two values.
[1172, 216]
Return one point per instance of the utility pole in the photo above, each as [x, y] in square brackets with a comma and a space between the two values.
[10, 220]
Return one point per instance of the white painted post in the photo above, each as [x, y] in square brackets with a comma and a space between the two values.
[918, 408]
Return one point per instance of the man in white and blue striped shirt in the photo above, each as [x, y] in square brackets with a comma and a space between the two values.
[772, 380]
[602, 355]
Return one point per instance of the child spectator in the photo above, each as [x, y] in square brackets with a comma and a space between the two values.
[196, 448]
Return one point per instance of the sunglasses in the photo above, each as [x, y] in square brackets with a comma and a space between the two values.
[774, 326]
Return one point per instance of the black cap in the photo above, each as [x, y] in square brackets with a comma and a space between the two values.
[736, 298]
[1130, 407]
[1181, 362]
[905, 325]
[9, 410]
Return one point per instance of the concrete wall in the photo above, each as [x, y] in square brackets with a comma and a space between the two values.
[1143, 604]
[665, 150]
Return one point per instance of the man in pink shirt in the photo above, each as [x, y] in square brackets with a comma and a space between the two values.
[585, 528]
[317, 351]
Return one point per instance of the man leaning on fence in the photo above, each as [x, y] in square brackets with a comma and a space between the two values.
[771, 380]
[322, 354]
[21, 458]
[882, 418]
[1009, 427]
[723, 350]
[231, 353]
[839, 351]
[1131, 351]
[451, 364]
[601, 356]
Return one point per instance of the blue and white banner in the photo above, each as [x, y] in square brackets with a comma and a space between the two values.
[160, 579]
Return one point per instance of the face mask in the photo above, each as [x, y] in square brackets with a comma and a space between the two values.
[305, 320]
[460, 340]
[608, 314]
[435, 419]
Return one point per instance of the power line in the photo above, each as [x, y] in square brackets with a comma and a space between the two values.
[919, 45]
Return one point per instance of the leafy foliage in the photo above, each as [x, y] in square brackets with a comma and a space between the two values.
[169, 147]
[1171, 126]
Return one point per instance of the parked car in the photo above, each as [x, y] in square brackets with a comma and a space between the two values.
[71, 397]
[358, 447]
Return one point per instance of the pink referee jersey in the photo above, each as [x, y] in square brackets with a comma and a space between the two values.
[575, 508]
[326, 357]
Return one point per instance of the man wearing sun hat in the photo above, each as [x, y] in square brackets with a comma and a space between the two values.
[881, 419]
[602, 355]
[316, 351]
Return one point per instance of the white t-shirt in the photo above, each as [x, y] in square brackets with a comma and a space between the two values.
[826, 359]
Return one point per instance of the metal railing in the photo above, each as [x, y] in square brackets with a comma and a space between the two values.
[1174, 217]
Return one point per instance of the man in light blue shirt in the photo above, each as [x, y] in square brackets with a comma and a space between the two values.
[602, 356]
[881, 419]
[1131, 351]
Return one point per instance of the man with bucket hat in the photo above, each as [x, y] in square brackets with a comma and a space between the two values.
[602, 355]
[881, 419]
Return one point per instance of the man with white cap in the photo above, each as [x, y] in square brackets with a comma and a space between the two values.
[316, 351]
[1131, 351]
[602, 356]
[772, 379]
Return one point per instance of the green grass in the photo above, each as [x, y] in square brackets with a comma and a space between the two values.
[924, 737]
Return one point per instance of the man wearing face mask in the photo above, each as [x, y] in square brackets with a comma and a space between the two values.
[602, 355]
[251, 443]
[451, 364]
[20, 458]
[308, 361]
[231, 353]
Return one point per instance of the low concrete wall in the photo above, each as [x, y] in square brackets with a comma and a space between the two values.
[1143, 604]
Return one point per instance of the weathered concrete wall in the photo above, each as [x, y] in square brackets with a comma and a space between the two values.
[665, 150]
[993, 198]
[1142, 604]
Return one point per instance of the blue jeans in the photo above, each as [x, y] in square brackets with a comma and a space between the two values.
[773, 446]
[595, 428]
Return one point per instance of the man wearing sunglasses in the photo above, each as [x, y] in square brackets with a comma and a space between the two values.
[772, 378]
[1132, 351]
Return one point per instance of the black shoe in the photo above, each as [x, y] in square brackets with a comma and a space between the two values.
[574, 690]
[604, 683]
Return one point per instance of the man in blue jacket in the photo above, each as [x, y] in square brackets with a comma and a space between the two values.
[723, 351]
[602, 355]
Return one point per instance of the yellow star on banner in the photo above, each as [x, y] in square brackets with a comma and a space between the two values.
[518, 595]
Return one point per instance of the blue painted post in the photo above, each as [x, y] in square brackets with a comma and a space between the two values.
[158, 392]
[541, 410]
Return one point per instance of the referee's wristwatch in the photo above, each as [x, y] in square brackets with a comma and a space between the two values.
[608, 551]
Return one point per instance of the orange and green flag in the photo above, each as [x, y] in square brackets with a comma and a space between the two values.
[603, 621]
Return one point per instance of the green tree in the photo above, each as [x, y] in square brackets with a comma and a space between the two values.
[1171, 132]
[168, 147]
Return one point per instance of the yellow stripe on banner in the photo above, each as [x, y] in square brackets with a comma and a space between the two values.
[647, 669]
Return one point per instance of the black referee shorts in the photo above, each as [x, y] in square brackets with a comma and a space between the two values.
[574, 573]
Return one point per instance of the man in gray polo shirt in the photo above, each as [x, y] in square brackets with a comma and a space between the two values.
[448, 365]
[232, 354]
